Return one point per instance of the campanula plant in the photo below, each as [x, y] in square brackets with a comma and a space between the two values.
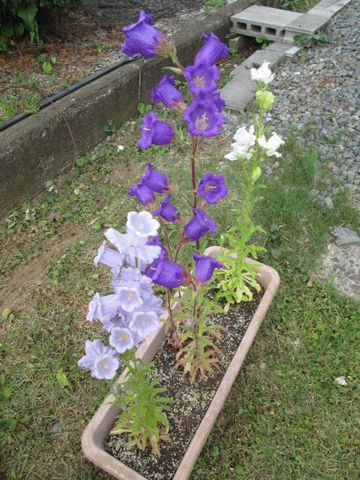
[143, 257]
[237, 280]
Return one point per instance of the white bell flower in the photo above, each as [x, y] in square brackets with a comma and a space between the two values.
[244, 141]
[142, 224]
[271, 146]
[262, 74]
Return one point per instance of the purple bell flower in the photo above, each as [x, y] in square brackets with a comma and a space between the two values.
[212, 51]
[155, 132]
[203, 117]
[219, 102]
[167, 94]
[205, 265]
[199, 225]
[157, 182]
[167, 210]
[142, 193]
[202, 77]
[156, 241]
[212, 188]
[142, 38]
[166, 273]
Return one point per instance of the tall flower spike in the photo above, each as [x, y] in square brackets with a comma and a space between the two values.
[142, 38]
[167, 94]
[155, 132]
[212, 51]
[203, 117]
[202, 77]
[212, 188]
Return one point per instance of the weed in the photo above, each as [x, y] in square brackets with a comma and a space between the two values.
[110, 127]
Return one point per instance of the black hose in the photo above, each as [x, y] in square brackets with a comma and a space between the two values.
[62, 93]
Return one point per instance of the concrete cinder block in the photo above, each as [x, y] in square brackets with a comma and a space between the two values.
[266, 21]
[307, 24]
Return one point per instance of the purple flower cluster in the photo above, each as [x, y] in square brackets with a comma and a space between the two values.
[133, 311]
[203, 116]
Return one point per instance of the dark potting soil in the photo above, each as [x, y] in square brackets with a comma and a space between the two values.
[190, 402]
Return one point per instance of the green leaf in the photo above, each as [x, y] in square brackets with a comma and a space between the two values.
[47, 68]
[62, 379]
[6, 313]
[28, 14]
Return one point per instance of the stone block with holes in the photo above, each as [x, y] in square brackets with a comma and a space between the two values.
[266, 21]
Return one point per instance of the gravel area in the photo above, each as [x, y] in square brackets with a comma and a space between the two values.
[320, 96]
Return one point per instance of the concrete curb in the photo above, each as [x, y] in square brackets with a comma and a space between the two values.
[45, 145]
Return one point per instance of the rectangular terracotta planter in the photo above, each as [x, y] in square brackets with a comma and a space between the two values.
[94, 436]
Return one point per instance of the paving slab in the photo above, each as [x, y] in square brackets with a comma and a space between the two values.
[266, 21]
[261, 56]
[342, 265]
[239, 91]
[308, 23]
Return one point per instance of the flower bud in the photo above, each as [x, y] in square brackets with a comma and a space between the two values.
[264, 99]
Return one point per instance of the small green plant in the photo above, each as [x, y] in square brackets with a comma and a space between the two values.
[304, 40]
[7, 108]
[263, 41]
[98, 46]
[143, 406]
[110, 127]
[47, 63]
[143, 108]
[213, 4]
[195, 338]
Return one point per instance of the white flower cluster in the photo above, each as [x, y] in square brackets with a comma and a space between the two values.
[246, 139]
[133, 311]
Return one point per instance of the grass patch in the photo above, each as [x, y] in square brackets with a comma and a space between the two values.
[288, 420]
